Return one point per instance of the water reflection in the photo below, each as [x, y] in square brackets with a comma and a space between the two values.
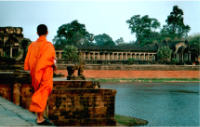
[162, 104]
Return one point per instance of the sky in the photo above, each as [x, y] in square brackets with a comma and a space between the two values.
[99, 16]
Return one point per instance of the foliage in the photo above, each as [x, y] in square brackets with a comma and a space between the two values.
[119, 41]
[71, 54]
[164, 54]
[194, 43]
[144, 27]
[175, 28]
[130, 121]
[131, 60]
[104, 40]
[174, 61]
[73, 33]
[159, 80]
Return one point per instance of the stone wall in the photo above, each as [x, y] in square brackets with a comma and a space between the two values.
[80, 102]
[10, 38]
[134, 67]
[137, 71]
[82, 107]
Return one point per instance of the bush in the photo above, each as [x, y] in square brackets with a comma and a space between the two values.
[130, 60]
[164, 54]
[174, 61]
[70, 54]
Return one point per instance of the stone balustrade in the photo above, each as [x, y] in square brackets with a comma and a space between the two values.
[112, 56]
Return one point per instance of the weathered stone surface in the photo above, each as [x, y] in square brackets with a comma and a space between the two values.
[77, 106]
[71, 69]
[72, 102]
[5, 91]
[12, 115]
[13, 43]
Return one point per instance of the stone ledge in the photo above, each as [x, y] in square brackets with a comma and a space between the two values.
[13, 115]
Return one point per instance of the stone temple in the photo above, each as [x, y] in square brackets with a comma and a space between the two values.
[12, 42]
[72, 102]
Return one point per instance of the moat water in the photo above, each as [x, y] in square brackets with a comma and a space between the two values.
[162, 104]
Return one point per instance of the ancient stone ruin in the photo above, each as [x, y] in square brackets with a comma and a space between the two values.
[75, 101]
[12, 42]
[72, 102]
[71, 72]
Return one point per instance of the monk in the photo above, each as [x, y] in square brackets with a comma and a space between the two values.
[40, 61]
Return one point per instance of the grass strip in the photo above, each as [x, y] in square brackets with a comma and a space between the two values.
[124, 80]
[130, 121]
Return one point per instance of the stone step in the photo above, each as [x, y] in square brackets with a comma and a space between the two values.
[13, 115]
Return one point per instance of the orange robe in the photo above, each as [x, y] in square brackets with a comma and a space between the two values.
[39, 60]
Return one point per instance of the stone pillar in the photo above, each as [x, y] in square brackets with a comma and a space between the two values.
[98, 56]
[92, 55]
[88, 56]
[108, 56]
[103, 56]
[121, 56]
[130, 56]
[115, 56]
[134, 56]
[138, 56]
[59, 55]
[16, 93]
[151, 58]
[95, 56]
[1, 52]
[11, 52]
[84, 55]
[125, 56]
[144, 56]
[148, 57]
[111, 56]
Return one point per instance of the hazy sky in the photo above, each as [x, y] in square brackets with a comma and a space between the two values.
[99, 16]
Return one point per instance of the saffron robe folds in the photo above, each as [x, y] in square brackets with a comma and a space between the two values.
[40, 61]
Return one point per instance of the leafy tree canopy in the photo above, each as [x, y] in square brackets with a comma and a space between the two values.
[70, 54]
[119, 41]
[164, 54]
[175, 27]
[194, 43]
[144, 27]
[104, 40]
[73, 33]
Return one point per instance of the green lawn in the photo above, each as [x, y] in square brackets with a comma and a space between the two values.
[122, 80]
[130, 121]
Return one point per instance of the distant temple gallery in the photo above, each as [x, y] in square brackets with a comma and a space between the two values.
[89, 55]
[14, 45]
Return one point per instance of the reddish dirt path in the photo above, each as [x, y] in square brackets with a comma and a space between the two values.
[137, 74]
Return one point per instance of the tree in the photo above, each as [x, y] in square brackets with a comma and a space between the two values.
[194, 44]
[175, 27]
[164, 54]
[144, 27]
[71, 54]
[104, 40]
[73, 33]
[119, 41]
